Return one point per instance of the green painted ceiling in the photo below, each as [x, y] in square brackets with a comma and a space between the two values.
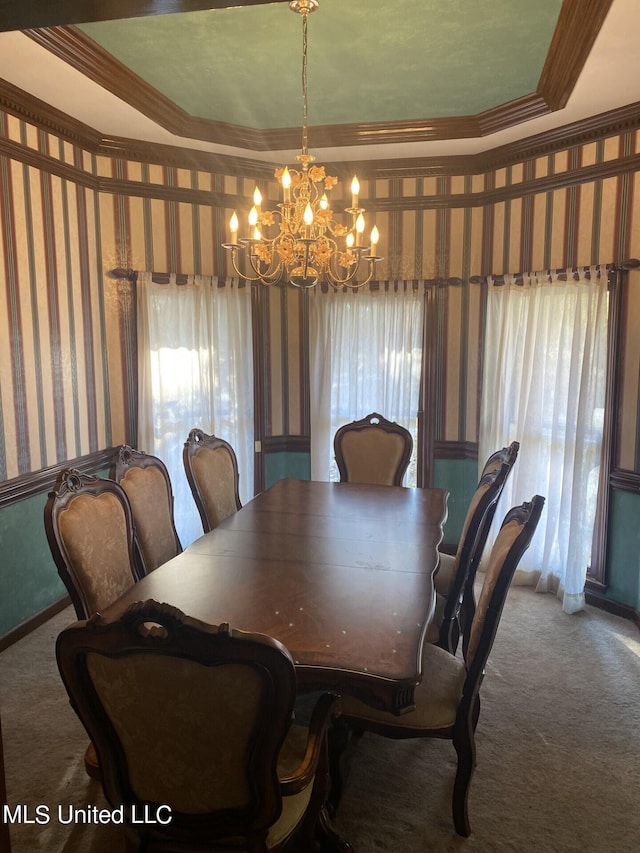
[368, 61]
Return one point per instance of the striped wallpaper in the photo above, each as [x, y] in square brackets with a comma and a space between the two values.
[67, 330]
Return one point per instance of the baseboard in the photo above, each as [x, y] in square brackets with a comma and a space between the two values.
[596, 599]
[33, 622]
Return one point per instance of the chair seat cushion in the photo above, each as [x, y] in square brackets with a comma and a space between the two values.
[436, 697]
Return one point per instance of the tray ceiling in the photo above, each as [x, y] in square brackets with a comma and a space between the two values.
[386, 79]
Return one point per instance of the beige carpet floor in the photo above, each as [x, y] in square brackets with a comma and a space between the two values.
[558, 748]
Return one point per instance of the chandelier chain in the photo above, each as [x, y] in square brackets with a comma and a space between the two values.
[305, 106]
[305, 250]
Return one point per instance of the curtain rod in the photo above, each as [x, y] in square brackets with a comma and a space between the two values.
[181, 278]
[157, 277]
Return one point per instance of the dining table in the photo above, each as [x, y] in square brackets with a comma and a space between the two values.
[340, 573]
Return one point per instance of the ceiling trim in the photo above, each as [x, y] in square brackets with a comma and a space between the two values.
[25, 106]
[578, 25]
[22, 104]
[80, 52]
[36, 13]
[435, 201]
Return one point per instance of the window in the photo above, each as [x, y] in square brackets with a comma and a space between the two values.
[544, 385]
[195, 370]
[365, 356]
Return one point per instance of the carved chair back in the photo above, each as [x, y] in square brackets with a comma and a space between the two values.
[467, 556]
[473, 539]
[90, 530]
[185, 714]
[513, 539]
[212, 472]
[504, 456]
[373, 450]
[146, 481]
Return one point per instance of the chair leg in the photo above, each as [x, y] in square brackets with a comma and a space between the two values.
[465, 746]
[319, 836]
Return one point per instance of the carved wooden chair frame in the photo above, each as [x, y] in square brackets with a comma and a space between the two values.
[70, 484]
[462, 732]
[196, 440]
[149, 628]
[506, 456]
[374, 420]
[125, 459]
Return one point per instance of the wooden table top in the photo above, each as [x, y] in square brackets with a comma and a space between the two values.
[340, 573]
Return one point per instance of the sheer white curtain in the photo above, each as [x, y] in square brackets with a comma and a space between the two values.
[195, 369]
[544, 385]
[365, 356]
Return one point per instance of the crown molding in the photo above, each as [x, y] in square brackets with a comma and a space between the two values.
[395, 202]
[25, 106]
[35, 111]
[578, 25]
[36, 13]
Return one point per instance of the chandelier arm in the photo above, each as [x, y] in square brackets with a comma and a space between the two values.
[239, 273]
[268, 278]
[335, 276]
[354, 285]
[271, 276]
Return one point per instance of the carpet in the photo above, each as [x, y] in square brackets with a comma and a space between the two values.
[558, 749]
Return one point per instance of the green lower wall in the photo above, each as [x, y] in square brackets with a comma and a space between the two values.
[29, 579]
[623, 555]
[283, 464]
[460, 478]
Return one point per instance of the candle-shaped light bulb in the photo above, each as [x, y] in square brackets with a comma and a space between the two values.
[355, 189]
[324, 201]
[375, 236]
[350, 240]
[359, 229]
[253, 217]
[257, 198]
[256, 233]
[286, 184]
[308, 215]
[233, 226]
[308, 220]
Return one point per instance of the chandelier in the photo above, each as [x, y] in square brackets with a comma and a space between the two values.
[310, 245]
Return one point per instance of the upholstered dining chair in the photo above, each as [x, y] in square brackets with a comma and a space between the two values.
[447, 701]
[449, 566]
[449, 621]
[212, 472]
[372, 450]
[222, 757]
[90, 529]
[146, 481]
